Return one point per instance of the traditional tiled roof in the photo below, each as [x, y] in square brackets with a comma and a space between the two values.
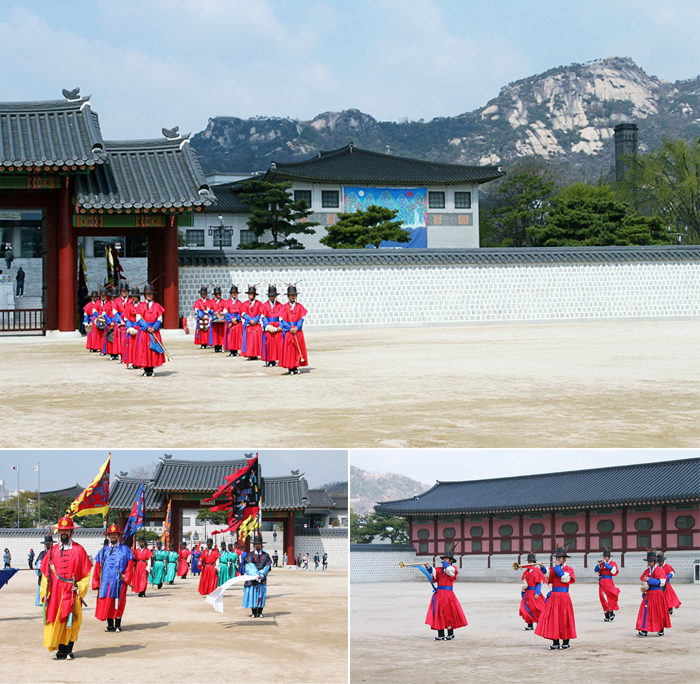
[342, 532]
[352, 164]
[145, 174]
[319, 498]
[123, 494]
[642, 484]
[227, 200]
[360, 548]
[417, 257]
[67, 491]
[288, 492]
[340, 500]
[55, 133]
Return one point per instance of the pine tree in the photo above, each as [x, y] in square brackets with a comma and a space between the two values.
[360, 229]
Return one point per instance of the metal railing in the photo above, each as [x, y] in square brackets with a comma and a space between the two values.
[22, 320]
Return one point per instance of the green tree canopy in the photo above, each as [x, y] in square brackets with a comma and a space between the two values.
[365, 528]
[274, 211]
[358, 229]
[214, 518]
[666, 182]
[519, 206]
[584, 215]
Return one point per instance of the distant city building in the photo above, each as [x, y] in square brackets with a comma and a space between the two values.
[4, 491]
[326, 510]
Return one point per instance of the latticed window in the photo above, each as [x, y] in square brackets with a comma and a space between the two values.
[643, 524]
[605, 542]
[606, 526]
[436, 200]
[330, 199]
[463, 200]
[476, 546]
[247, 236]
[505, 545]
[536, 544]
[195, 237]
[570, 528]
[643, 541]
[448, 532]
[422, 548]
[685, 522]
[476, 531]
[303, 196]
[685, 540]
[570, 543]
[505, 530]
[537, 528]
[423, 534]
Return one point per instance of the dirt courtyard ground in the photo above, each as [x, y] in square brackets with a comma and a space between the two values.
[596, 384]
[391, 643]
[173, 635]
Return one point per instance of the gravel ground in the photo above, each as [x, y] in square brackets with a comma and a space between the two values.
[390, 642]
[173, 635]
[597, 384]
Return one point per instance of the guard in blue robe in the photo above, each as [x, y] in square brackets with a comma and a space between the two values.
[48, 543]
[257, 562]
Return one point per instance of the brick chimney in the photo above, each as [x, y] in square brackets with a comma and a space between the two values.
[625, 148]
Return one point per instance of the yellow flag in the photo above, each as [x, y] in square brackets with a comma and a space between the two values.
[94, 499]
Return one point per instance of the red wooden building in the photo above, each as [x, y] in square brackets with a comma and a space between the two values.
[624, 508]
[54, 160]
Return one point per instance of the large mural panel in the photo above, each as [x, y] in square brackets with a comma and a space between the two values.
[411, 203]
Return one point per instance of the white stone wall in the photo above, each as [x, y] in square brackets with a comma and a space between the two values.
[19, 545]
[339, 297]
[335, 546]
[382, 566]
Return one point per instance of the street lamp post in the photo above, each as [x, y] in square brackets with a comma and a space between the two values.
[220, 232]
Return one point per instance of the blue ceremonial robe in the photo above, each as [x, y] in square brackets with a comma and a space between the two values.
[255, 592]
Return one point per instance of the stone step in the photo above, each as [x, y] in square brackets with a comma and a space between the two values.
[28, 303]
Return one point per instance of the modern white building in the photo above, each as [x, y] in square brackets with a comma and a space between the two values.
[437, 202]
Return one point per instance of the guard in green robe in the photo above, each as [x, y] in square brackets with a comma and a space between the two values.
[225, 567]
[171, 564]
[158, 570]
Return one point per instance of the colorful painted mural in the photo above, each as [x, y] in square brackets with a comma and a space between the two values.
[411, 203]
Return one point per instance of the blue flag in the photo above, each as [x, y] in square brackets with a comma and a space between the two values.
[138, 513]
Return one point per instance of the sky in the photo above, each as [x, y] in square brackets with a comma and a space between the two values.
[430, 465]
[60, 469]
[155, 63]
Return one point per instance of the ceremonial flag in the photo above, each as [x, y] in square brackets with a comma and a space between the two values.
[138, 513]
[216, 598]
[7, 574]
[94, 499]
[15, 467]
[248, 525]
[35, 469]
[82, 278]
[242, 490]
[165, 537]
[118, 270]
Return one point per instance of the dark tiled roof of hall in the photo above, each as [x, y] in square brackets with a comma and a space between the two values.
[124, 490]
[633, 484]
[351, 164]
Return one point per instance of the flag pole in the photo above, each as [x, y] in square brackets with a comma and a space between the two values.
[17, 494]
[38, 487]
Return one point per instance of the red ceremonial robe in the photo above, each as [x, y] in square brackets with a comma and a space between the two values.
[557, 618]
[207, 564]
[122, 302]
[131, 341]
[72, 563]
[200, 336]
[94, 337]
[139, 580]
[114, 310]
[108, 608]
[532, 604]
[444, 611]
[293, 343]
[183, 567]
[145, 356]
[217, 314]
[653, 612]
[607, 591]
[669, 593]
[234, 335]
[252, 332]
[272, 342]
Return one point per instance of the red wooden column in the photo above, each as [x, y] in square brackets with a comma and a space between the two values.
[289, 537]
[171, 300]
[67, 260]
[155, 268]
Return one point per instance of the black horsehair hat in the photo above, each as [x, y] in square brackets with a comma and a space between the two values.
[291, 290]
[449, 553]
[561, 552]
[272, 290]
[149, 289]
[202, 289]
[48, 539]
[606, 552]
[135, 292]
[651, 556]
[252, 290]
[94, 293]
[217, 289]
[660, 557]
[531, 557]
[142, 538]
[124, 286]
[234, 288]
[257, 539]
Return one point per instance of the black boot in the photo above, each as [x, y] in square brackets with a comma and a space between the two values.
[61, 653]
[670, 611]
[661, 633]
[231, 353]
[110, 625]
[450, 634]
[118, 625]
[440, 635]
[142, 594]
[607, 616]
[69, 655]
[160, 586]
[565, 644]
[612, 616]
[555, 645]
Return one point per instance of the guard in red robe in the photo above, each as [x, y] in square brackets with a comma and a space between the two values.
[131, 328]
[234, 327]
[670, 595]
[201, 323]
[91, 311]
[532, 601]
[149, 318]
[444, 611]
[183, 557]
[251, 311]
[120, 304]
[65, 577]
[273, 336]
[209, 565]
[113, 316]
[294, 352]
[607, 591]
[653, 612]
[557, 619]
[102, 320]
[142, 565]
[114, 567]
[217, 316]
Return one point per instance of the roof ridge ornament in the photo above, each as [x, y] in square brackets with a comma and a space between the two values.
[71, 94]
[351, 145]
[171, 133]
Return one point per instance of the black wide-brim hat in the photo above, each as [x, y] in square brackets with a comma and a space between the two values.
[124, 286]
[272, 290]
[48, 539]
[651, 556]
[234, 288]
[252, 290]
[660, 557]
[449, 555]
[606, 552]
[135, 292]
[149, 289]
[217, 290]
[291, 290]
[202, 289]
[257, 539]
[561, 552]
